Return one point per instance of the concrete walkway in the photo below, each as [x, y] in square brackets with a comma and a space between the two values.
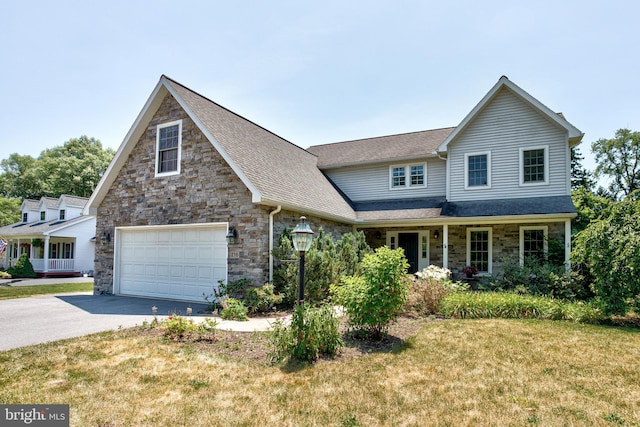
[40, 319]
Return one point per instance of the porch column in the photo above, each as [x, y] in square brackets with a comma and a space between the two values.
[445, 246]
[567, 244]
[46, 253]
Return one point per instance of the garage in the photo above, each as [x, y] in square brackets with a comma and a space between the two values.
[181, 262]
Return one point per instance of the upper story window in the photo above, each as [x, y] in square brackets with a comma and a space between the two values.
[534, 165]
[477, 170]
[408, 176]
[62, 213]
[25, 216]
[168, 148]
[42, 216]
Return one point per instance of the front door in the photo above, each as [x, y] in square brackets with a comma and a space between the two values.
[409, 242]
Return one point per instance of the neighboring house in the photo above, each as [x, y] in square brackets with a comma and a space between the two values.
[55, 234]
[191, 172]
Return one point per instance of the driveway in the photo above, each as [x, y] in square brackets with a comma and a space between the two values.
[40, 319]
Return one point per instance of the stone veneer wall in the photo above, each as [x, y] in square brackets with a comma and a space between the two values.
[206, 190]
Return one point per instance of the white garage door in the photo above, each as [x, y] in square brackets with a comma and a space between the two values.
[173, 262]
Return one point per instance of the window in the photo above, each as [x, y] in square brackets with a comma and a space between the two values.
[42, 216]
[24, 217]
[168, 146]
[408, 176]
[479, 248]
[477, 170]
[534, 165]
[398, 177]
[533, 242]
[62, 214]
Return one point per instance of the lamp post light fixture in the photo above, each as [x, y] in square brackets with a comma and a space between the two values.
[231, 236]
[105, 238]
[302, 237]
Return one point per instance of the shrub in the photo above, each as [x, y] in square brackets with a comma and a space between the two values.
[325, 262]
[233, 309]
[177, 328]
[485, 305]
[429, 288]
[22, 268]
[313, 332]
[608, 250]
[255, 299]
[375, 297]
[261, 300]
[539, 277]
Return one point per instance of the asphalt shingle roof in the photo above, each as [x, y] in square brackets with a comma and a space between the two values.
[281, 171]
[406, 146]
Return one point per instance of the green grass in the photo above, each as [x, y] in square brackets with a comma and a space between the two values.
[8, 292]
[492, 372]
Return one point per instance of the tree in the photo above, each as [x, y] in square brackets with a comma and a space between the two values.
[608, 251]
[619, 158]
[9, 211]
[20, 177]
[73, 168]
[580, 177]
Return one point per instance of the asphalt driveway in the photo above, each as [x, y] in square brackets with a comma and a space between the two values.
[40, 319]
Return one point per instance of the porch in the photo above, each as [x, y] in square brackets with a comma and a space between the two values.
[49, 257]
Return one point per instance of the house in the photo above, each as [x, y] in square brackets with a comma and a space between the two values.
[189, 173]
[55, 234]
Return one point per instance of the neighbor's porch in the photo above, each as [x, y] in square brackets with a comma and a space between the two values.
[488, 246]
[50, 256]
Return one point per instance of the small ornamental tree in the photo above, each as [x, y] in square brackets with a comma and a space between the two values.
[375, 297]
[22, 268]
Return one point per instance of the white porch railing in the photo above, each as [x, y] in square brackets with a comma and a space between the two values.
[56, 264]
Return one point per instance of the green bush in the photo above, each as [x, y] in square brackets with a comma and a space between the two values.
[486, 305]
[313, 332]
[261, 300]
[233, 309]
[375, 297]
[325, 262]
[22, 268]
[608, 252]
[539, 277]
[177, 328]
[255, 299]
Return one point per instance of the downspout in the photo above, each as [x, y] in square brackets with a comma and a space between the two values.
[271, 215]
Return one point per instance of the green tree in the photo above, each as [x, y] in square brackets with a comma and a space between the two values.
[20, 177]
[580, 177]
[9, 211]
[73, 168]
[608, 252]
[590, 207]
[619, 159]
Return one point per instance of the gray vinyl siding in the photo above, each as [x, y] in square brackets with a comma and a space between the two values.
[502, 128]
[372, 182]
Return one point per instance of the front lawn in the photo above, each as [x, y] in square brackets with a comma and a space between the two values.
[8, 292]
[452, 372]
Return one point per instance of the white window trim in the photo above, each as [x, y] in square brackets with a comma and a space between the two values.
[407, 176]
[490, 236]
[162, 126]
[466, 171]
[545, 230]
[546, 166]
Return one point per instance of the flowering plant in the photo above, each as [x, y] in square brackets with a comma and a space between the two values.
[434, 272]
[470, 270]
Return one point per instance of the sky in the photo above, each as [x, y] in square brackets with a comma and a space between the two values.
[313, 72]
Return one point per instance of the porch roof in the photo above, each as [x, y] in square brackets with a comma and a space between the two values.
[38, 228]
[506, 207]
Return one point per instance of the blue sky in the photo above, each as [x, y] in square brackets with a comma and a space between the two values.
[313, 72]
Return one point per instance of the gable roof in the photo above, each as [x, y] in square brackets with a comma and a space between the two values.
[41, 228]
[48, 202]
[276, 171]
[575, 135]
[75, 201]
[30, 205]
[392, 148]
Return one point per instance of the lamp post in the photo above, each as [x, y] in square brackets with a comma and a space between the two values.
[302, 237]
